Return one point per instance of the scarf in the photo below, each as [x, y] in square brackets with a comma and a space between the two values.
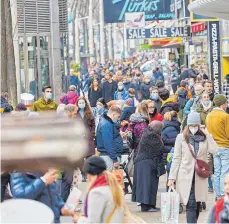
[206, 108]
[195, 140]
[99, 182]
[152, 114]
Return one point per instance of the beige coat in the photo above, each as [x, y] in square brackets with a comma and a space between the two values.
[182, 169]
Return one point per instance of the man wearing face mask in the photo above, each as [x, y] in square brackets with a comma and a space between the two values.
[121, 93]
[155, 97]
[45, 103]
[108, 139]
[145, 88]
[217, 123]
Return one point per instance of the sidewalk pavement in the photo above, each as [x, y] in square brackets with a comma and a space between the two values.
[154, 217]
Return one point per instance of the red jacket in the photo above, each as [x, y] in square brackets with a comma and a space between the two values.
[157, 117]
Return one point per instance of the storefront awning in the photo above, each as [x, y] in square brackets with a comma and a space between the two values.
[213, 8]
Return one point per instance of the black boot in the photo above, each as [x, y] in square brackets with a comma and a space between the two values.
[126, 185]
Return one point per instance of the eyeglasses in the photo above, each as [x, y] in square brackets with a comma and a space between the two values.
[48, 91]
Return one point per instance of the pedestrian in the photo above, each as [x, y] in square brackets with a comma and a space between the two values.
[109, 87]
[155, 97]
[226, 91]
[94, 92]
[138, 123]
[85, 114]
[128, 110]
[146, 179]
[40, 187]
[145, 88]
[204, 107]
[5, 106]
[128, 83]
[170, 130]
[208, 88]
[153, 113]
[174, 78]
[217, 123]
[191, 187]
[108, 139]
[168, 103]
[121, 93]
[132, 95]
[101, 108]
[184, 73]
[220, 212]
[105, 191]
[158, 75]
[71, 97]
[45, 103]
[74, 79]
[20, 110]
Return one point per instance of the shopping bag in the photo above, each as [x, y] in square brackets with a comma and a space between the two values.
[170, 204]
[119, 176]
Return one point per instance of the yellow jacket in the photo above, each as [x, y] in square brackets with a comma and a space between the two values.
[217, 123]
[41, 105]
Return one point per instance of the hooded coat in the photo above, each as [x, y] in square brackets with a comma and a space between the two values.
[42, 105]
[145, 182]
[70, 98]
[203, 113]
[169, 133]
[168, 105]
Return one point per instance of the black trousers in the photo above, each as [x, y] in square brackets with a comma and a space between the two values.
[67, 178]
[174, 87]
[193, 207]
[5, 179]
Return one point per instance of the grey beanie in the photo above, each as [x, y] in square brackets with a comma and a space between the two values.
[193, 118]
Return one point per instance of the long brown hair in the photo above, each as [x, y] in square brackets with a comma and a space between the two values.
[186, 134]
[115, 187]
[92, 84]
[88, 111]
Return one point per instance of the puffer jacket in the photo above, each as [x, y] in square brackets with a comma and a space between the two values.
[138, 124]
[30, 186]
[169, 133]
[42, 105]
[70, 98]
[168, 105]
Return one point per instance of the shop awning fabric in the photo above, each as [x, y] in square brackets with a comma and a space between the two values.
[213, 8]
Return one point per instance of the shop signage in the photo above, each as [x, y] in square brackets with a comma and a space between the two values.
[198, 27]
[114, 10]
[215, 60]
[158, 32]
[135, 20]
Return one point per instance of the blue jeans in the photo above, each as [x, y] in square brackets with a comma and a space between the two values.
[210, 184]
[221, 168]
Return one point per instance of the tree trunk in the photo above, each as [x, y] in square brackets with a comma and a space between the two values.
[11, 68]
[3, 49]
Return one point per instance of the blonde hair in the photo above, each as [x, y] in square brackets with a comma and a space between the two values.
[169, 115]
[142, 108]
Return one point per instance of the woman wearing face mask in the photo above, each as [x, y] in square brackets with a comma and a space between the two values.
[101, 108]
[94, 92]
[85, 114]
[155, 97]
[121, 93]
[153, 114]
[104, 201]
[204, 107]
[191, 187]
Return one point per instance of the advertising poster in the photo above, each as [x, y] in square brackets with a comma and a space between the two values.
[135, 20]
[115, 10]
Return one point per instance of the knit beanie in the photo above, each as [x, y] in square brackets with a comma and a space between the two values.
[94, 165]
[219, 100]
[193, 118]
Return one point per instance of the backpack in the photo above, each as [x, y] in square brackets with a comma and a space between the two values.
[182, 98]
[65, 100]
[169, 159]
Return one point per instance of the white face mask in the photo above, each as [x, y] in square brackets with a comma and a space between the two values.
[193, 130]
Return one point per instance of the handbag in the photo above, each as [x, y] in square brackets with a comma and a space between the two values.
[201, 167]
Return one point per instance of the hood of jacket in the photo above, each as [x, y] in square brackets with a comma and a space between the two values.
[138, 118]
[200, 108]
[169, 100]
[173, 123]
[71, 94]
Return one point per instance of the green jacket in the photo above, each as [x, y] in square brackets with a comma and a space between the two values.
[203, 113]
[41, 105]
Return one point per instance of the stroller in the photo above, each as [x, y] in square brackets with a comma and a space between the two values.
[126, 164]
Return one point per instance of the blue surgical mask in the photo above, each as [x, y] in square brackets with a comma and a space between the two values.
[82, 105]
[206, 102]
[48, 96]
[154, 96]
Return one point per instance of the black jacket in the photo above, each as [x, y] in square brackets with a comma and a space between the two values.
[108, 90]
[93, 96]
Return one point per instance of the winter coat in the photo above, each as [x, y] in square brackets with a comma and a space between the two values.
[30, 186]
[191, 105]
[93, 96]
[124, 95]
[70, 98]
[155, 116]
[188, 94]
[129, 85]
[108, 90]
[127, 112]
[158, 104]
[90, 137]
[103, 197]
[168, 105]
[41, 105]
[74, 80]
[144, 89]
[203, 113]
[182, 169]
[169, 133]
[145, 182]
[175, 77]
[108, 138]
[138, 123]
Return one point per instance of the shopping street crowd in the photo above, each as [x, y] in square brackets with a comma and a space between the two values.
[134, 117]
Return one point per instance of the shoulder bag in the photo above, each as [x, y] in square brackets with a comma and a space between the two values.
[201, 167]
